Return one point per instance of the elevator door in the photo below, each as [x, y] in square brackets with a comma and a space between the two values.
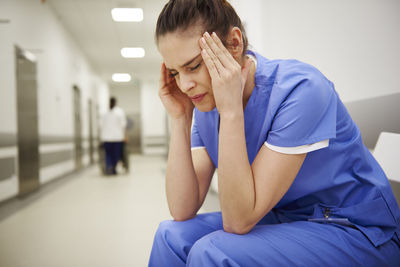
[27, 122]
[78, 128]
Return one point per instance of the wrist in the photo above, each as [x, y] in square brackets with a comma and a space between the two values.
[181, 123]
[181, 120]
[232, 115]
[182, 116]
[180, 133]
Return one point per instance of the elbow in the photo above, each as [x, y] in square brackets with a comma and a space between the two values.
[182, 212]
[180, 217]
[237, 228]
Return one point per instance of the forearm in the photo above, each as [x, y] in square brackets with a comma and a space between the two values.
[181, 183]
[235, 177]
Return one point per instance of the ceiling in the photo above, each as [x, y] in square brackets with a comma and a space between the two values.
[101, 38]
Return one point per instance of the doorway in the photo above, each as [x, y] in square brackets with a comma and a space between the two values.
[77, 127]
[91, 147]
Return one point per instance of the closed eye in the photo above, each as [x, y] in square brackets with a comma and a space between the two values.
[172, 75]
[195, 67]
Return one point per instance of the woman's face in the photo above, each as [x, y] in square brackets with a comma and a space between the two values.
[182, 57]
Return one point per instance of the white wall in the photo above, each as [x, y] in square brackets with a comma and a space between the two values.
[102, 94]
[354, 43]
[7, 72]
[153, 117]
[60, 64]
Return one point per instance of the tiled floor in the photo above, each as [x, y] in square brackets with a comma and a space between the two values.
[88, 220]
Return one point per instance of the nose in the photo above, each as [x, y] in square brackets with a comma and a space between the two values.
[186, 83]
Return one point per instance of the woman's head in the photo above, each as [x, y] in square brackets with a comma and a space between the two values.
[180, 26]
[209, 15]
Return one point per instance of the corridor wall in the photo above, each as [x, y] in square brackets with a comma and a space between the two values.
[61, 65]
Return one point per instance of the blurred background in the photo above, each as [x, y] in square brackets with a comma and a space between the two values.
[59, 64]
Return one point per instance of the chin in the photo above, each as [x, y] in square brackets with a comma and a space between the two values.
[206, 107]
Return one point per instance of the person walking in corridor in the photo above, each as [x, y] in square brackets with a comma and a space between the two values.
[113, 127]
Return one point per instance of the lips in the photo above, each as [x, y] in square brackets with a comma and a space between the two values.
[197, 98]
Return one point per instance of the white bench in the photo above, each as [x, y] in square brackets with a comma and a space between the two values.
[387, 153]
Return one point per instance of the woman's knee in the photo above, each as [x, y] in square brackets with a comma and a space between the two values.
[166, 228]
[225, 249]
[210, 250]
[177, 232]
[190, 230]
[167, 250]
[168, 237]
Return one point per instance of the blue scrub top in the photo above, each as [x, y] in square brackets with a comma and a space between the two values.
[293, 105]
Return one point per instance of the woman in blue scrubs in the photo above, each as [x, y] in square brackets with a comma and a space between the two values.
[297, 187]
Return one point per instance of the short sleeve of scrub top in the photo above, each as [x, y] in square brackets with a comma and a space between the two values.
[196, 141]
[306, 119]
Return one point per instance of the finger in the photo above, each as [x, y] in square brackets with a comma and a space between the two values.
[209, 64]
[246, 69]
[218, 52]
[221, 46]
[163, 80]
[163, 88]
[214, 59]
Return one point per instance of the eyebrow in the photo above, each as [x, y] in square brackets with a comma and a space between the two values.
[187, 63]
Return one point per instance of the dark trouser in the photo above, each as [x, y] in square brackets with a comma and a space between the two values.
[113, 155]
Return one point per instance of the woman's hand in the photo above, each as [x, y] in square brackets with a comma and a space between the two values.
[177, 104]
[227, 76]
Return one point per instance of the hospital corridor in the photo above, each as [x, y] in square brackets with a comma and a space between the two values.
[88, 219]
[86, 131]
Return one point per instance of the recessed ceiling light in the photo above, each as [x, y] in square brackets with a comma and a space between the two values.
[132, 52]
[121, 77]
[127, 14]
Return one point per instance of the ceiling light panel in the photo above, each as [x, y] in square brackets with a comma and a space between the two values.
[132, 52]
[121, 77]
[127, 14]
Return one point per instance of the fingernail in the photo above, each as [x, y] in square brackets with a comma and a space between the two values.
[203, 40]
[207, 34]
[214, 34]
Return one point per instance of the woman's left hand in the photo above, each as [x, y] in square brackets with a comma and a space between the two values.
[228, 78]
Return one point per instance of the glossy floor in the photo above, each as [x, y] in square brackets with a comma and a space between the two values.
[87, 219]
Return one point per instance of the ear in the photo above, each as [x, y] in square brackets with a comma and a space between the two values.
[235, 43]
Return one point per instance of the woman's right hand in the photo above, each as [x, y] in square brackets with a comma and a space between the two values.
[177, 104]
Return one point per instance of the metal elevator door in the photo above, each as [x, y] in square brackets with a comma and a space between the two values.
[27, 122]
[77, 127]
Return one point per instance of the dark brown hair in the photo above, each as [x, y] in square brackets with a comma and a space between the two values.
[214, 15]
[113, 102]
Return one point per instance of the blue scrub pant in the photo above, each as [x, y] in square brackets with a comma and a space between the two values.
[201, 241]
[113, 155]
